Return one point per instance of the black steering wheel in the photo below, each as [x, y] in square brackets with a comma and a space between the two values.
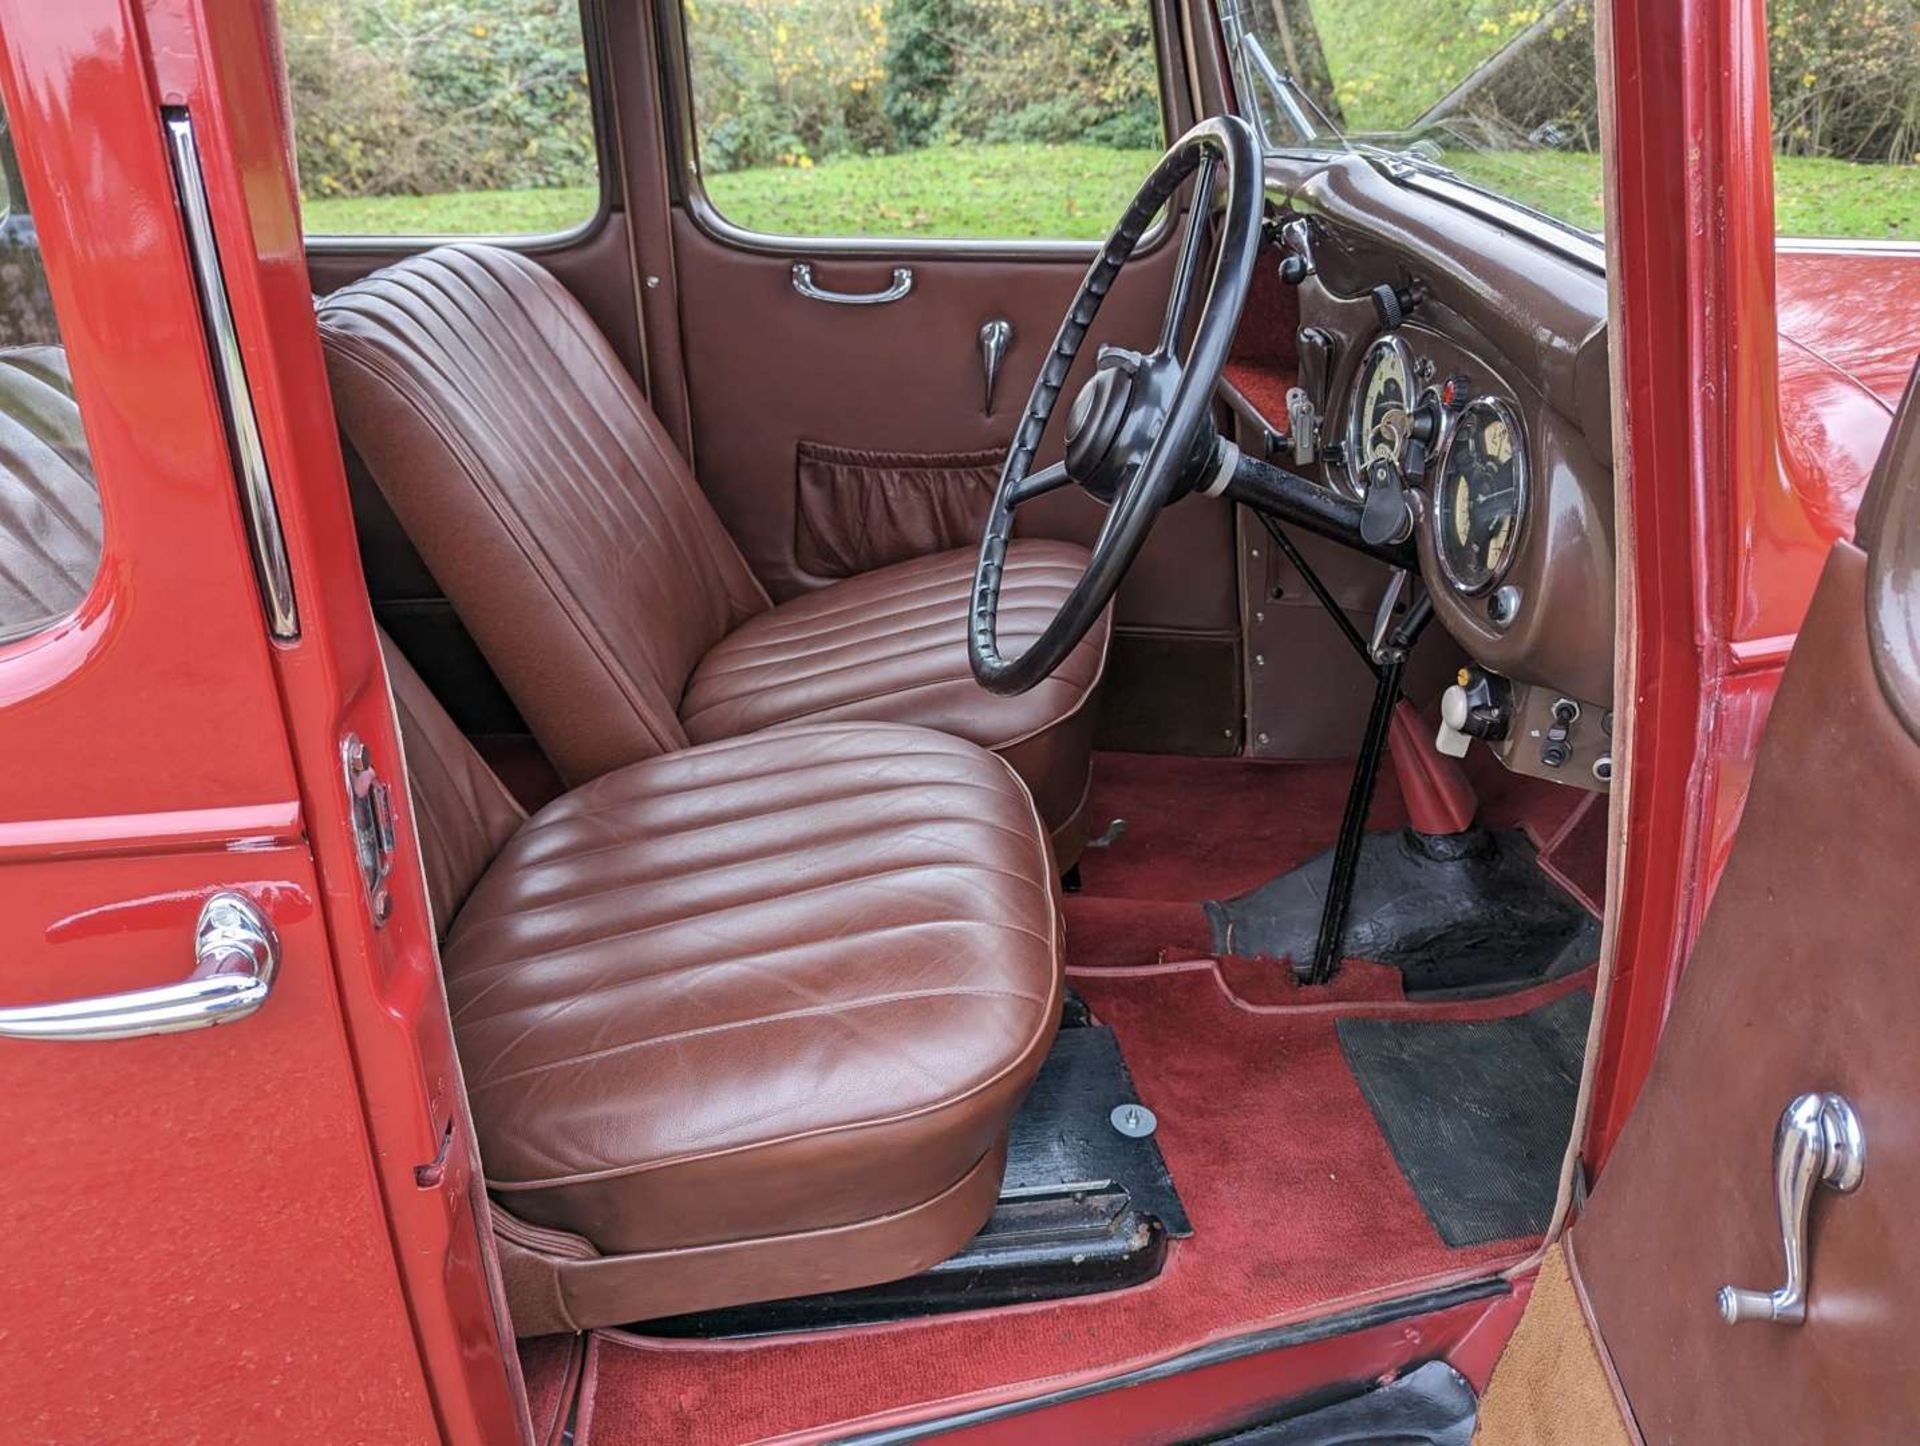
[1139, 435]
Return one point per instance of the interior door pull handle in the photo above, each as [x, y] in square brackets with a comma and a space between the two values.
[236, 952]
[804, 284]
[995, 337]
[1817, 1142]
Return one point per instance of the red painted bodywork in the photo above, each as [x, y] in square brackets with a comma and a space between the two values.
[193, 1211]
[212, 1234]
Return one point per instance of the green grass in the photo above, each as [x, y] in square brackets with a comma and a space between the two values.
[1391, 60]
[460, 213]
[1006, 192]
[1022, 192]
[1813, 196]
[1077, 192]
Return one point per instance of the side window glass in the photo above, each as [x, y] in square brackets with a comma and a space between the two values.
[1845, 85]
[49, 503]
[441, 117]
[955, 119]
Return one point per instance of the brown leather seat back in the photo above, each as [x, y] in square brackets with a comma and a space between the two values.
[542, 492]
[461, 811]
[49, 502]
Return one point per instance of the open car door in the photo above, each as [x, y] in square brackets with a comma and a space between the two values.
[1774, 1148]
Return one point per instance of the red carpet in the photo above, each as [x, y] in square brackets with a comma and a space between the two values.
[551, 1367]
[1197, 828]
[1296, 1202]
[1295, 1199]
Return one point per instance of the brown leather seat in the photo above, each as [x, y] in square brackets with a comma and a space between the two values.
[593, 573]
[744, 1021]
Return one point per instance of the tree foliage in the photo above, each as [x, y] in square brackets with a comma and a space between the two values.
[793, 82]
[399, 97]
[920, 64]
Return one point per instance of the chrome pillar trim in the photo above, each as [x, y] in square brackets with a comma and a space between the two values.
[803, 283]
[236, 953]
[230, 372]
[995, 337]
[1817, 1142]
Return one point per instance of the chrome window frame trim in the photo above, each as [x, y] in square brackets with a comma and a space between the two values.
[1845, 245]
[262, 511]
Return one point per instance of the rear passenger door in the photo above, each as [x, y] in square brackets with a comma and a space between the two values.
[875, 214]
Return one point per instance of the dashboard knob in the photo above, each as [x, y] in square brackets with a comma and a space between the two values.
[1479, 704]
[1393, 304]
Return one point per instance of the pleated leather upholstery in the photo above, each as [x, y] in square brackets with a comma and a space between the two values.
[782, 983]
[541, 492]
[593, 573]
[891, 645]
[49, 502]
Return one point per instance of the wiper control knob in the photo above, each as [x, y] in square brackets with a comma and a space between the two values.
[1393, 304]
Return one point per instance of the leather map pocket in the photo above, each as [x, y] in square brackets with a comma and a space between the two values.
[857, 510]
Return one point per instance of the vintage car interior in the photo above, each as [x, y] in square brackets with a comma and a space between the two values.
[937, 902]
[778, 1017]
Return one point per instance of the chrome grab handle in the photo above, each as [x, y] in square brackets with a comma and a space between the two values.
[995, 337]
[236, 952]
[803, 283]
[1817, 1142]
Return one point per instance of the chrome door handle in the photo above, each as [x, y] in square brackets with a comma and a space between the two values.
[1817, 1142]
[236, 952]
[804, 284]
[995, 337]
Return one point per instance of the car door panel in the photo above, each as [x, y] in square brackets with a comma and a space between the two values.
[768, 368]
[1803, 979]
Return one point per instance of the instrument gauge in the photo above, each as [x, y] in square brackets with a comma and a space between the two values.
[1379, 416]
[1480, 496]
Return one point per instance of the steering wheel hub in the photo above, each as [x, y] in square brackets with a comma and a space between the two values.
[1094, 423]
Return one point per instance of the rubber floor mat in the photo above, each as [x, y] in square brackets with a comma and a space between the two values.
[1476, 1112]
[1458, 915]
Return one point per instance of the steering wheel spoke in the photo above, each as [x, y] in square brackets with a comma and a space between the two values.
[1038, 484]
[1139, 423]
[1181, 296]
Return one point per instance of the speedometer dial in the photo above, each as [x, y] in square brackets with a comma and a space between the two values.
[1480, 499]
[1377, 419]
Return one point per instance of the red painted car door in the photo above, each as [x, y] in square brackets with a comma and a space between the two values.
[262, 1226]
[1788, 1072]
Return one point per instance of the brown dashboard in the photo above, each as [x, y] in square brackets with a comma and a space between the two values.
[1473, 357]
